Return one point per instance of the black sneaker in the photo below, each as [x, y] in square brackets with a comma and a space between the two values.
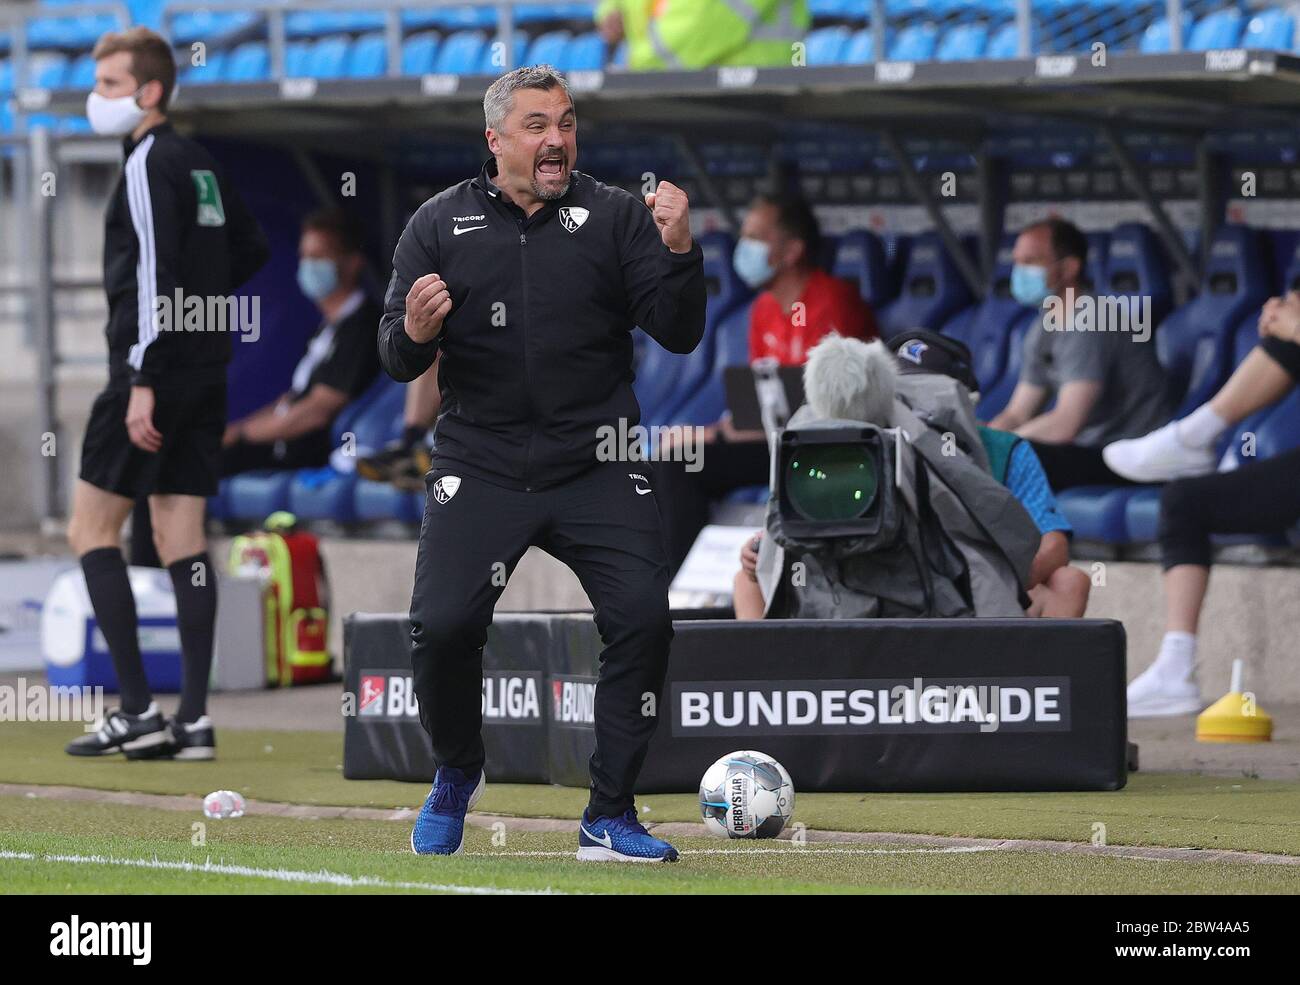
[121, 732]
[185, 740]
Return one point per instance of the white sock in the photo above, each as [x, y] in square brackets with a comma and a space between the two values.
[1201, 427]
[1177, 657]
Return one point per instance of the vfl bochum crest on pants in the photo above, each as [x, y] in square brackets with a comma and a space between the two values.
[573, 216]
[446, 487]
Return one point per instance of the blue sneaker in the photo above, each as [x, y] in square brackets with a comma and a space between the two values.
[620, 839]
[440, 827]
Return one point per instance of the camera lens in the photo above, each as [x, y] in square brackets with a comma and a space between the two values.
[831, 482]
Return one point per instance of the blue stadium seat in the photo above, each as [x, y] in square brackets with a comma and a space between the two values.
[730, 348]
[68, 32]
[1142, 515]
[1097, 513]
[860, 257]
[914, 43]
[420, 53]
[250, 62]
[81, 74]
[860, 50]
[1221, 29]
[46, 70]
[297, 59]
[1135, 267]
[210, 27]
[1005, 42]
[986, 328]
[1155, 39]
[214, 70]
[1195, 343]
[825, 45]
[585, 53]
[368, 58]
[1269, 29]
[994, 399]
[451, 18]
[317, 23]
[932, 291]
[256, 495]
[964, 42]
[375, 420]
[328, 57]
[666, 380]
[532, 13]
[384, 501]
[546, 49]
[6, 76]
[146, 12]
[1094, 271]
[461, 52]
[488, 64]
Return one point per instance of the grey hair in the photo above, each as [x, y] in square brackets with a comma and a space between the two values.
[500, 97]
[851, 380]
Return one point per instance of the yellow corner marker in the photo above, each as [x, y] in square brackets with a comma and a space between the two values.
[1234, 717]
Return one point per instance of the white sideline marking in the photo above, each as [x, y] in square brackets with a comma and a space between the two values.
[323, 877]
[738, 850]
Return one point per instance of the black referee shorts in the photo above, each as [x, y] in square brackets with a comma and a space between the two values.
[191, 420]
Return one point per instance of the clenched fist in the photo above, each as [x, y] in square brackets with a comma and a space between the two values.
[427, 304]
[672, 216]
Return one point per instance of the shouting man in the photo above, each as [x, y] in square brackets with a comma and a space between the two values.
[529, 279]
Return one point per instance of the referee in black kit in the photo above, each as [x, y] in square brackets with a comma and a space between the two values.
[529, 279]
[175, 232]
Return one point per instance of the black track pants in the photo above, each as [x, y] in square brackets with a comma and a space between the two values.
[609, 534]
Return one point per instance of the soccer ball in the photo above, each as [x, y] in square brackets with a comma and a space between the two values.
[746, 794]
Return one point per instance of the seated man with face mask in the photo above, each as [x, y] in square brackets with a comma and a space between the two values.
[341, 361]
[885, 504]
[797, 303]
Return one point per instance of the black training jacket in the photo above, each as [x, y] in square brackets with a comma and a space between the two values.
[537, 348]
[174, 222]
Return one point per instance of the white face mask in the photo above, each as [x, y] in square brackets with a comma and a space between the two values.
[113, 117]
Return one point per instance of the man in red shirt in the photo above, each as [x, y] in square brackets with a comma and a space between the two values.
[778, 256]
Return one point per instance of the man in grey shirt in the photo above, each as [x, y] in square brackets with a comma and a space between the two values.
[1095, 357]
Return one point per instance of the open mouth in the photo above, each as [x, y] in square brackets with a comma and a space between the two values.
[551, 166]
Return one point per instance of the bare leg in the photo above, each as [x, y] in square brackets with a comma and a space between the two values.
[177, 526]
[97, 518]
[1256, 383]
[747, 597]
[1185, 586]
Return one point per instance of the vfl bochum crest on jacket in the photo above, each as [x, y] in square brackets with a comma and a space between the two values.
[573, 216]
[446, 487]
[211, 211]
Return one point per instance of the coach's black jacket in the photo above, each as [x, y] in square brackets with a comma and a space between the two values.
[537, 348]
[173, 222]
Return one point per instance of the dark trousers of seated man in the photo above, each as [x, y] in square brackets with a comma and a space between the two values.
[684, 496]
[608, 533]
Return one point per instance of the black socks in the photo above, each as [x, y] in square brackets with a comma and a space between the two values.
[114, 605]
[194, 580]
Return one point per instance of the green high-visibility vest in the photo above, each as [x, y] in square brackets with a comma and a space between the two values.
[690, 34]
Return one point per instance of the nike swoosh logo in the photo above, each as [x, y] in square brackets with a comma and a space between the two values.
[640, 491]
[468, 229]
[605, 839]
